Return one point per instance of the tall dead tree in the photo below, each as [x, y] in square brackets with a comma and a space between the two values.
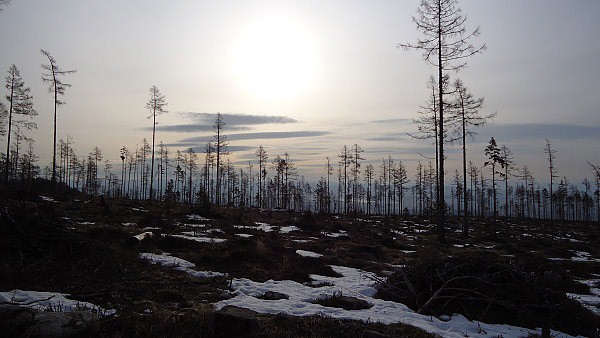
[551, 156]
[52, 75]
[596, 169]
[495, 159]
[220, 146]
[445, 45]
[509, 163]
[465, 112]
[20, 109]
[262, 156]
[156, 104]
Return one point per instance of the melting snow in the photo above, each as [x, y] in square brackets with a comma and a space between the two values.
[144, 235]
[244, 235]
[354, 282]
[335, 234]
[47, 199]
[53, 301]
[359, 284]
[288, 229]
[592, 301]
[197, 218]
[201, 239]
[311, 254]
[180, 264]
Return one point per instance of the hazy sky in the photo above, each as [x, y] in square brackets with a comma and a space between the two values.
[307, 76]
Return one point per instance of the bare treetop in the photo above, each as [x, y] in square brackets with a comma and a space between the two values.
[445, 41]
[52, 75]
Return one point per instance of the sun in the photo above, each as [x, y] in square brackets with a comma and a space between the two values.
[275, 58]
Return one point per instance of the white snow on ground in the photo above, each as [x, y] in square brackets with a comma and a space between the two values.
[341, 233]
[580, 256]
[592, 301]
[201, 239]
[311, 254]
[264, 226]
[191, 225]
[259, 226]
[47, 199]
[288, 229]
[180, 264]
[244, 235]
[87, 223]
[301, 240]
[358, 284]
[197, 218]
[144, 235]
[128, 224]
[354, 282]
[52, 301]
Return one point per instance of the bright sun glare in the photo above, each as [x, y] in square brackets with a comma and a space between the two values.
[275, 58]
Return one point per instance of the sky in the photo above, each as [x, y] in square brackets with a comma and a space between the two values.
[307, 77]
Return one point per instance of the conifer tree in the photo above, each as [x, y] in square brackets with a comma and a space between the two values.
[20, 109]
[445, 45]
[53, 76]
[156, 104]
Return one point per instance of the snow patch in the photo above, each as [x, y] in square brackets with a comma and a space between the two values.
[50, 301]
[194, 217]
[166, 259]
[288, 229]
[244, 235]
[201, 239]
[310, 254]
[359, 284]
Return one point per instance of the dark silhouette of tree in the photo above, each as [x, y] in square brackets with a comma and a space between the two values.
[220, 146]
[356, 158]
[596, 169]
[507, 157]
[156, 104]
[329, 169]
[262, 156]
[495, 159]
[369, 172]
[465, 112]
[123, 155]
[3, 117]
[4, 3]
[344, 162]
[445, 45]
[551, 156]
[20, 109]
[53, 76]
[400, 181]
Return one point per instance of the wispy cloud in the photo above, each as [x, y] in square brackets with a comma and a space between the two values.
[203, 122]
[240, 119]
[537, 131]
[260, 136]
[191, 128]
[399, 120]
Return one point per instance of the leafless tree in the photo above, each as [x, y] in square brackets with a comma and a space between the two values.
[20, 108]
[465, 112]
[156, 104]
[220, 145]
[551, 156]
[53, 75]
[445, 45]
